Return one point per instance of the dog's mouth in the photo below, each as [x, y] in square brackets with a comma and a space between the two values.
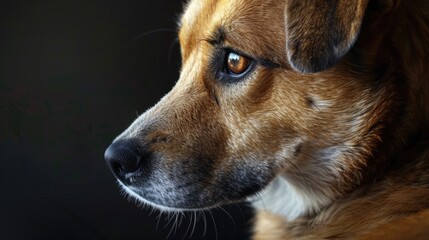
[181, 190]
[168, 182]
[183, 199]
[140, 197]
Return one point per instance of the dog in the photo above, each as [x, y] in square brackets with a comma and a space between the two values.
[315, 111]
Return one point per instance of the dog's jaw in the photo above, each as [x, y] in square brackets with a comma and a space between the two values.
[132, 194]
[141, 201]
[284, 199]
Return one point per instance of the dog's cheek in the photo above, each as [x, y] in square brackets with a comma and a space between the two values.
[265, 116]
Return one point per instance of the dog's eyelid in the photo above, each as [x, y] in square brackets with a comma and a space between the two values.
[239, 52]
[267, 63]
[259, 60]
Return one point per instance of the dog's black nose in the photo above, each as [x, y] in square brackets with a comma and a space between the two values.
[123, 157]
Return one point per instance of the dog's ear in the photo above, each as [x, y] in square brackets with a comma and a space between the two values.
[386, 6]
[321, 32]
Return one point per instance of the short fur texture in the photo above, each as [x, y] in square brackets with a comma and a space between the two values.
[327, 134]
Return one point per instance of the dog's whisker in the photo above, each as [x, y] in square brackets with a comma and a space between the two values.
[214, 224]
[176, 222]
[181, 217]
[205, 223]
[154, 31]
[189, 226]
[195, 222]
[241, 210]
[172, 226]
[262, 200]
[169, 219]
[159, 218]
[170, 49]
[229, 215]
[182, 213]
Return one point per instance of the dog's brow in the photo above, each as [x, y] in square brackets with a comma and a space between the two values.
[217, 37]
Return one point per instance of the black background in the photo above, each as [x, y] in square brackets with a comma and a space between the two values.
[73, 75]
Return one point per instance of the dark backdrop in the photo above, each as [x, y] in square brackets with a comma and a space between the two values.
[73, 75]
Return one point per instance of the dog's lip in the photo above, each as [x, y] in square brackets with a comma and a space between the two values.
[133, 193]
[137, 196]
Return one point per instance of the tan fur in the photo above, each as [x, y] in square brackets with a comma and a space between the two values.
[341, 113]
[411, 227]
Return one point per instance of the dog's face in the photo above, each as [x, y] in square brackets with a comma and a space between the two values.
[264, 91]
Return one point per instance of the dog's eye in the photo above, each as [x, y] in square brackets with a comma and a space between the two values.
[237, 64]
[229, 66]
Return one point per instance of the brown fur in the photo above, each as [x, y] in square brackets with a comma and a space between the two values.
[337, 106]
[368, 208]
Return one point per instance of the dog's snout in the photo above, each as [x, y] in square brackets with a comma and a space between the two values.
[123, 157]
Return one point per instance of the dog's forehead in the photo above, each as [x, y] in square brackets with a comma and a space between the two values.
[252, 26]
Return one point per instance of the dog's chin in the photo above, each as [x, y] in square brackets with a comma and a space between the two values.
[133, 194]
[143, 202]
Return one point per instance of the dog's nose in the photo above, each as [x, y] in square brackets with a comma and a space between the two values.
[123, 157]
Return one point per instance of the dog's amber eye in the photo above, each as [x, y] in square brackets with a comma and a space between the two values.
[237, 64]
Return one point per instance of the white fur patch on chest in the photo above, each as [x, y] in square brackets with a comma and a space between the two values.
[284, 199]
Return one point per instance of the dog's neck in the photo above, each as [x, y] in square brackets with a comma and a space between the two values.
[289, 201]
